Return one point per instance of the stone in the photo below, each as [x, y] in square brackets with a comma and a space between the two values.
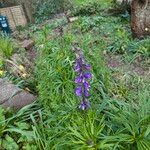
[124, 1]
[13, 97]
[28, 44]
[72, 19]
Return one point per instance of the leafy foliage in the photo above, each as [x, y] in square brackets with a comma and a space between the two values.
[48, 8]
[110, 124]
[15, 129]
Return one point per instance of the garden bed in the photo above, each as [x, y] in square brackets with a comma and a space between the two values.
[116, 115]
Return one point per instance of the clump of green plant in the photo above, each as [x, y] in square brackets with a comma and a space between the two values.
[46, 9]
[109, 124]
[6, 46]
[16, 129]
[144, 49]
[131, 123]
[120, 42]
[86, 7]
[87, 23]
[54, 57]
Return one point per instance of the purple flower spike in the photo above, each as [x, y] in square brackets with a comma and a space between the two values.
[84, 105]
[87, 75]
[78, 91]
[83, 75]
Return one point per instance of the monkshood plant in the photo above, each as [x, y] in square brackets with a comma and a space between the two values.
[82, 68]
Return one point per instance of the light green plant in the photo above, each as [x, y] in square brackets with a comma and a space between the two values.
[6, 46]
[131, 123]
[15, 130]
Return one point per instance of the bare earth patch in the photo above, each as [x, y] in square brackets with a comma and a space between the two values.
[135, 67]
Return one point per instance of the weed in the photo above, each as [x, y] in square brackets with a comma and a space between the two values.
[6, 46]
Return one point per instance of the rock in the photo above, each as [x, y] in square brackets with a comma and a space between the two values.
[14, 97]
[28, 44]
[124, 1]
[72, 19]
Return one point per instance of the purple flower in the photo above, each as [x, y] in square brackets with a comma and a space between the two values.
[77, 68]
[86, 93]
[79, 79]
[87, 66]
[78, 91]
[86, 85]
[87, 75]
[84, 105]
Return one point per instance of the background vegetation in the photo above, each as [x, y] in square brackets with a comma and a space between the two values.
[119, 116]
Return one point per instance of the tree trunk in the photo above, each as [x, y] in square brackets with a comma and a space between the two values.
[140, 18]
[27, 5]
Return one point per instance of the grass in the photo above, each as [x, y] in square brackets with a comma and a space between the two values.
[119, 115]
[6, 46]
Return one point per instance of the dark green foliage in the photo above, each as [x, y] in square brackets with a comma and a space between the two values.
[48, 8]
[45, 9]
[90, 7]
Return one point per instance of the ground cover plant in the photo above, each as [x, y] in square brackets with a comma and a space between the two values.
[113, 115]
[111, 102]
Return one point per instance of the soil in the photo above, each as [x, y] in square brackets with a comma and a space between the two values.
[136, 67]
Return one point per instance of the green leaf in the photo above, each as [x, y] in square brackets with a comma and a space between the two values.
[147, 131]
[22, 125]
[9, 143]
